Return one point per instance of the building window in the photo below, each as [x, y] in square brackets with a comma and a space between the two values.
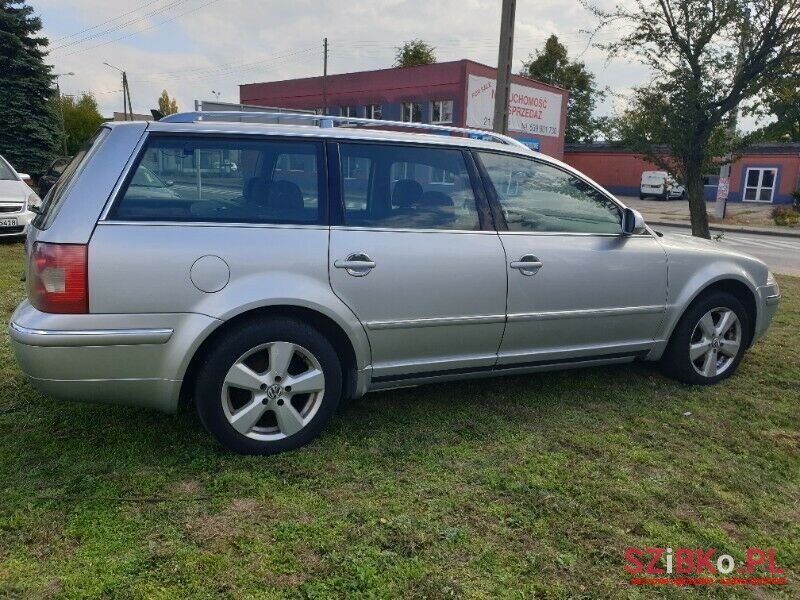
[349, 111]
[442, 111]
[760, 184]
[711, 180]
[372, 111]
[412, 112]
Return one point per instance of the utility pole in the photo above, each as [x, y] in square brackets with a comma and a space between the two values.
[127, 91]
[504, 56]
[724, 184]
[126, 94]
[325, 76]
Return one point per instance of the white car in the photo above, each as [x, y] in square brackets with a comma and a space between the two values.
[660, 184]
[16, 200]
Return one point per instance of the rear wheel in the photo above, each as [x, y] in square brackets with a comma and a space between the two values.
[269, 386]
[709, 341]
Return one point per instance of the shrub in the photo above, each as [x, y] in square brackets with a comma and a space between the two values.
[786, 215]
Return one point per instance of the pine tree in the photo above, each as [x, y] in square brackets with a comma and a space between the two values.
[29, 127]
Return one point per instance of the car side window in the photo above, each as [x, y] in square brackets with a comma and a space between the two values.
[536, 196]
[406, 187]
[192, 178]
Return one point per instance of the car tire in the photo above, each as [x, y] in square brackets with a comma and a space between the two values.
[244, 394]
[709, 341]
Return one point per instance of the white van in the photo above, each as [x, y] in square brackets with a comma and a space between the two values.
[660, 184]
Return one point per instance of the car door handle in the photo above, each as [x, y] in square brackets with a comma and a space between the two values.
[527, 265]
[357, 264]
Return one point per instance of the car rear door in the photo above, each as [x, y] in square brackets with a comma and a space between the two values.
[414, 256]
[577, 287]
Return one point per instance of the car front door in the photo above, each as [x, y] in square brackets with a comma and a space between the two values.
[416, 260]
[577, 287]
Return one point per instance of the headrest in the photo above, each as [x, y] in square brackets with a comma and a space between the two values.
[406, 193]
[257, 191]
[286, 196]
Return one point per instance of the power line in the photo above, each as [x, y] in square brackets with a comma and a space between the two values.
[127, 35]
[120, 26]
[107, 21]
[227, 66]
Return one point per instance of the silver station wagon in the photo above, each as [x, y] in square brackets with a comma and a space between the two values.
[336, 260]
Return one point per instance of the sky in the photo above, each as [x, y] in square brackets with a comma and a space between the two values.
[194, 48]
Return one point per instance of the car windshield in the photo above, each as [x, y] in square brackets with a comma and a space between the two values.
[6, 172]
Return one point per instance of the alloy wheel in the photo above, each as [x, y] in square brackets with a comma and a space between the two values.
[715, 342]
[272, 391]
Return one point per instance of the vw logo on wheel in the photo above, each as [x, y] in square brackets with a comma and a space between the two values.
[274, 391]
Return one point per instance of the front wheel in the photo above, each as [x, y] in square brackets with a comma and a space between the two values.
[269, 386]
[709, 341]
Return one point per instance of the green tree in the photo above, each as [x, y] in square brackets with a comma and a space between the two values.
[783, 102]
[29, 127]
[413, 53]
[552, 65]
[706, 57]
[167, 105]
[81, 119]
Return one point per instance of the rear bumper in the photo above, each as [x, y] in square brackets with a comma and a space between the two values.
[137, 360]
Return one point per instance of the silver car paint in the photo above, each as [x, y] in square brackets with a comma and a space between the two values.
[415, 320]
[434, 301]
[593, 294]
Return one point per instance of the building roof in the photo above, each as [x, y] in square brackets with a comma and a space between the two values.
[617, 147]
[418, 68]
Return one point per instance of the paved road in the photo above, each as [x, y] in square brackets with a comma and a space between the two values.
[782, 254]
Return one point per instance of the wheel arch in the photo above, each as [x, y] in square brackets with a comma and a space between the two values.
[326, 325]
[740, 288]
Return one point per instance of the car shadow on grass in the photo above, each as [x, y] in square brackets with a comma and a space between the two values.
[397, 422]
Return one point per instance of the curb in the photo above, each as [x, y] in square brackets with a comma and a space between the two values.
[734, 228]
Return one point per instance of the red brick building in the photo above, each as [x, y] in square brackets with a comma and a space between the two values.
[459, 93]
[765, 173]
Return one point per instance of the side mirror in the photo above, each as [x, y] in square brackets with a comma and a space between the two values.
[25, 177]
[632, 222]
[169, 183]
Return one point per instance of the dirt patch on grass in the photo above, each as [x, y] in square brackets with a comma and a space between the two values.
[226, 525]
[786, 439]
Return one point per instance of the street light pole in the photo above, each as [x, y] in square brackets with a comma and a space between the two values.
[61, 108]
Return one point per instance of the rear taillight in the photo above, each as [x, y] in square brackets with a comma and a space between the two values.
[58, 278]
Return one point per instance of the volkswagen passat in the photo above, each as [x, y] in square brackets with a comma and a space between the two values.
[338, 260]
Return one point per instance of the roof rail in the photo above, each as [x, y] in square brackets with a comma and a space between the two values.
[328, 121]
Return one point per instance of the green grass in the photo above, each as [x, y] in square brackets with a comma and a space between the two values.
[518, 487]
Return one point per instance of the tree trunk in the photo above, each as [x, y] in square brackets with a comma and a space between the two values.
[697, 201]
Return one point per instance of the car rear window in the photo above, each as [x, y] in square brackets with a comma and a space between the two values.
[52, 201]
[213, 179]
